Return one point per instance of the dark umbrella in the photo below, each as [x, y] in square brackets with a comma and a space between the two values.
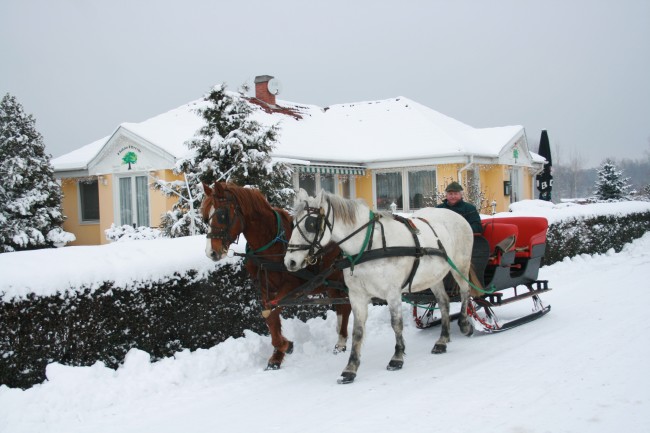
[545, 178]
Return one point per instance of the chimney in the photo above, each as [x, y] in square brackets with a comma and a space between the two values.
[262, 89]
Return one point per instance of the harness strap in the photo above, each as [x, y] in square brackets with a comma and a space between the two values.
[391, 252]
[434, 233]
[366, 241]
[279, 237]
[418, 251]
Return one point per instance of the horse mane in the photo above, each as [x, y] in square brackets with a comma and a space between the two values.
[250, 200]
[344, 209]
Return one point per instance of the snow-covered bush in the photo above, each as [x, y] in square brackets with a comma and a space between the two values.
[595, 235]
[129, 233]
[30, 215]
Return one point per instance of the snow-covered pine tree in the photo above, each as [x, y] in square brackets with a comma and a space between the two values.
[30, 214]
[229, 147]
[611, 185]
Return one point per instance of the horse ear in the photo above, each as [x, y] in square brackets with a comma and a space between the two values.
[218, 188]
[300, 197]
[206, 189]
[321, 199]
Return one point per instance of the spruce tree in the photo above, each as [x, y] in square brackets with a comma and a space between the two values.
[611, 185]
[229, 147]
[30, 217]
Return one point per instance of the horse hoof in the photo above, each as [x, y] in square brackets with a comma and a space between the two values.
[346, 377]
[467, 329]
[394, 365]
[272, 366]
[339, 349]
[439, 348]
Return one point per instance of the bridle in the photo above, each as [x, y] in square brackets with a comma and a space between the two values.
[221, 213]
[316, 221]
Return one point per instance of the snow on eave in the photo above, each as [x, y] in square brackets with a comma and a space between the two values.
[80, 158]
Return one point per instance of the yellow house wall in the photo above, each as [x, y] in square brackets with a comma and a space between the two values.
[363, 186]
[106, 209]
[93, 234]
[492, 181]
[86, 234]
[445, 174]
[158, 203]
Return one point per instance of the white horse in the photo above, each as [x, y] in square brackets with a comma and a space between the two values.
[391, 271]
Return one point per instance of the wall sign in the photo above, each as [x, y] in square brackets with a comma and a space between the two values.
[129, 155]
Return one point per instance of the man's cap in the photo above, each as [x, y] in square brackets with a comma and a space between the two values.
[454, 187]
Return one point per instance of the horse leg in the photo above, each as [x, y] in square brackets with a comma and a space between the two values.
[281, 345]
[464, 323]
[360, 309]
[443, 303]
[397, 322]
[342, 320]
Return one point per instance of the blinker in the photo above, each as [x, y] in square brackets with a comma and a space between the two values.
[312, 224]
[222, 216]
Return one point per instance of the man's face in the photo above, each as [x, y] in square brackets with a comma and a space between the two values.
[454, 197]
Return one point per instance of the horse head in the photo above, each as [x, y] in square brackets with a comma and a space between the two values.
[220, 212]
[313, 223]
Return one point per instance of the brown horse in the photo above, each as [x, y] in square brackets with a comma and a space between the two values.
[230, 210]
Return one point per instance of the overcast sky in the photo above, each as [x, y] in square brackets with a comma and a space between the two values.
[580, 69]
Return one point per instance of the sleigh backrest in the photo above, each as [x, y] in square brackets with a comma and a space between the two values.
[498, 233]
[532, 232]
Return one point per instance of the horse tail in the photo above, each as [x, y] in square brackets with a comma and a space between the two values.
[474, 279]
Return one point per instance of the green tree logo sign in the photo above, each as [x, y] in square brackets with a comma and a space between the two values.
[130, 158]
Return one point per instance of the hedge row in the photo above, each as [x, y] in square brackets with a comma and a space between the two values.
[82, 328]
[161, 319]
[596, 235]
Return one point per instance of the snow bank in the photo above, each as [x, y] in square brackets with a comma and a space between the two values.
[562, 211]
[128, 264]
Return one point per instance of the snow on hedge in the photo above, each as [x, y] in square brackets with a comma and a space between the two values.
[134, 264]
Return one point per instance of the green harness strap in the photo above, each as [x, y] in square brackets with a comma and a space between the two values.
[355, 259]
[278, 237]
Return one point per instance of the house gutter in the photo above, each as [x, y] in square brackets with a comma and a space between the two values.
[465, 167]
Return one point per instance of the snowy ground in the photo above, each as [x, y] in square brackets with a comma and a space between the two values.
[582, 367]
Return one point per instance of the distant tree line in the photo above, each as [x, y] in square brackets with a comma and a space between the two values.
[572, 180]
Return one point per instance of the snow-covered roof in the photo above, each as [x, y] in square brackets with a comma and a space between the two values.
[369, 132]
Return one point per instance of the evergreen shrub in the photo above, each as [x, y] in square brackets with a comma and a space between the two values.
[594, 235]
[81, 328]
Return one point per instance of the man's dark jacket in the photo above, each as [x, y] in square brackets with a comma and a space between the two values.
[467, 211]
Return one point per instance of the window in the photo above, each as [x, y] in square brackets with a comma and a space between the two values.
[389, 190]
[134, 201]
[417, 185]
[422, 189]
[328, 182]
[335, 183]
[516, 181]
[89, 201]
[307, 181]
